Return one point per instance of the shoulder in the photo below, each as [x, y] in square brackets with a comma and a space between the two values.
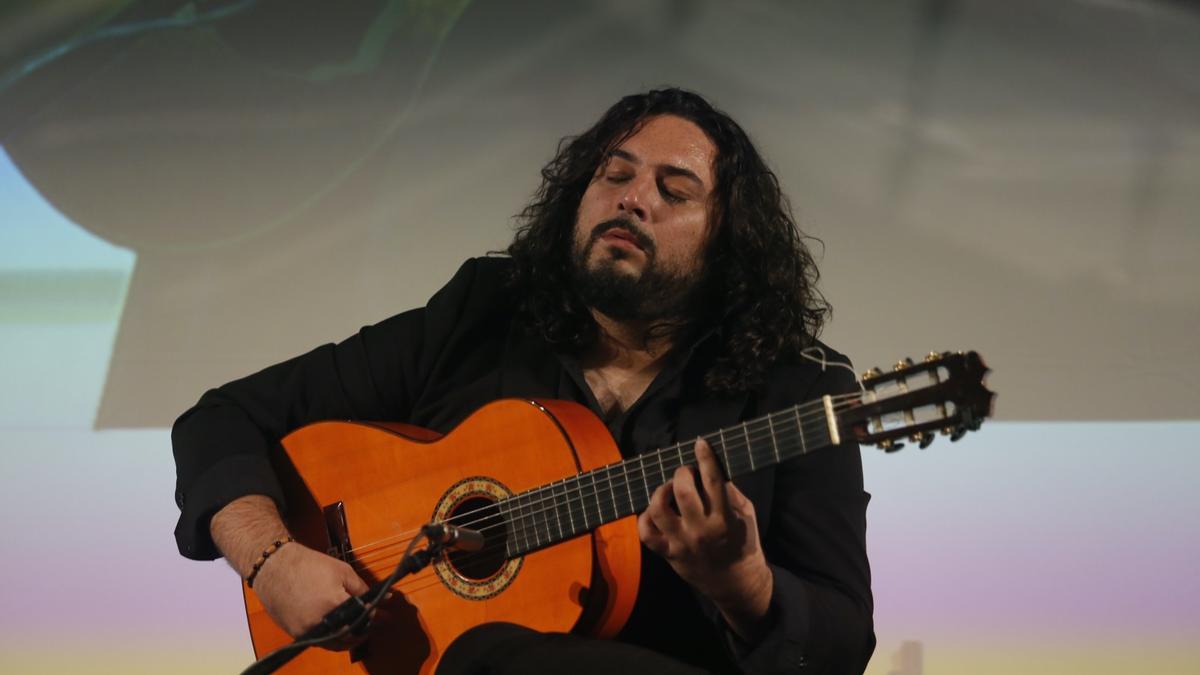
[815, 372]
[482, 274]
[480, 286]
[491, 269]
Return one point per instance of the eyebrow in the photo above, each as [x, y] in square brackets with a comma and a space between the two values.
[669, 169]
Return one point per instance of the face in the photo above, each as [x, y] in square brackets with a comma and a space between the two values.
[643, 222]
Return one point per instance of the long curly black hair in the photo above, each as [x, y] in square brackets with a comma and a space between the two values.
[760, 277]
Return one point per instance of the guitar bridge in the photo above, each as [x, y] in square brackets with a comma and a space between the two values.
[337, 531]
[339, 547]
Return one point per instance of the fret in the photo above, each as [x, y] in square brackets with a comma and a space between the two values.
[596, 493]
[544, 510]
[535, 510]
[800, 426]
[532, 516]
[557, 518]
[746, 435]
[526, 521]
[506, 517]
[661, 469]
[725, 452]
[774, 441]
[629, 487]
[750, 448]
[567, 501]
[545, 507]
[515, 529]
[612, 491]
[645, 480]
[583, 502]
[527, 527]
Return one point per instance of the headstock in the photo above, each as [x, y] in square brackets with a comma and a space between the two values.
[944, 393]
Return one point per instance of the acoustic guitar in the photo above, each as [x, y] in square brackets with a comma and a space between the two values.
[546, 486]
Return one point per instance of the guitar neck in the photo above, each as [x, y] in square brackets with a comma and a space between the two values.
[552, 513]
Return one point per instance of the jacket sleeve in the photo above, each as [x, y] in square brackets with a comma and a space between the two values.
[820, 616]
[222, 444]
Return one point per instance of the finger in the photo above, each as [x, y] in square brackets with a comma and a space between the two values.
[687, 497]
[738, 501]
[711, 477]
[660, 513]
[651, 536]
[353, 583]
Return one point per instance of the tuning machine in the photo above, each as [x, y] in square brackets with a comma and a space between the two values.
[923, 438]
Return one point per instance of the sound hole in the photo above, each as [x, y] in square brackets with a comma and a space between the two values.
[482, 515]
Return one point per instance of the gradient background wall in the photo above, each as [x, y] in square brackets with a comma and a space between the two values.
[191, 191]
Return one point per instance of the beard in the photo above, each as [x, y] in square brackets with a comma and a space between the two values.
[656, 295]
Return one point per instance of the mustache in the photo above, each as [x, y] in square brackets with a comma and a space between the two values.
[642, 239]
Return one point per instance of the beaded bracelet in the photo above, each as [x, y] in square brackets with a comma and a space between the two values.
[263, 558]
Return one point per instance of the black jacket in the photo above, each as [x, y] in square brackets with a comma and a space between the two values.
[434, 366]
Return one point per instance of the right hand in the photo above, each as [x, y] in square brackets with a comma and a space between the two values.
[299, 586]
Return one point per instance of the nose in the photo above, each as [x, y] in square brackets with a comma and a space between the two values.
[633, 199]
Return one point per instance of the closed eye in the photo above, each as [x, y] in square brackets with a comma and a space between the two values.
[671, 197]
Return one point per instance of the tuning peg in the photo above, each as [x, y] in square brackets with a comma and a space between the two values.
[888, 445]
[958, 433]
[871, 373]
[922, 438]
[932, 356]
[903, 365]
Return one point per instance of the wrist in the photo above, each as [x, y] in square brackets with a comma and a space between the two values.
[266, 555]
[745, 608]
[244, 528]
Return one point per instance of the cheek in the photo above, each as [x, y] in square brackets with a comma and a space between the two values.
[691, 234]
[589, 205]
[591, 212]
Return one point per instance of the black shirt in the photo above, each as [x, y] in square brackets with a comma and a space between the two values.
[433, 366]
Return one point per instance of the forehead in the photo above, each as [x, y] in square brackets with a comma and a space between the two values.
[673, 141]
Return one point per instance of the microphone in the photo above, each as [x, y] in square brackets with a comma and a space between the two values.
[453, 537]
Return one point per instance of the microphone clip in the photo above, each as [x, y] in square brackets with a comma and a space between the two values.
[452, 537]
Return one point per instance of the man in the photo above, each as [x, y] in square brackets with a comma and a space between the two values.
[658, 278]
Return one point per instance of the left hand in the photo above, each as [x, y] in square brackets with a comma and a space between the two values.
[711, 541]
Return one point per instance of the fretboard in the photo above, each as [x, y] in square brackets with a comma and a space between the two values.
[552, 513]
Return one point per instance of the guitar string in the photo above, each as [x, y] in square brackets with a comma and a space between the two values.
[793, 411]
[469, 556]
[523, 519]
[614, 474]
[522, 524]
[406, 586]
[549, 530]
[529, 527]
[530, 509]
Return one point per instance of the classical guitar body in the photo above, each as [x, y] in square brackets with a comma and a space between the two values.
[361, 492]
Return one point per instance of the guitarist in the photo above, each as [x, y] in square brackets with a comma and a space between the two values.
[658, 278]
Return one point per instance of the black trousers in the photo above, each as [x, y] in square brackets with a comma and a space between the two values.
[508, 649]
